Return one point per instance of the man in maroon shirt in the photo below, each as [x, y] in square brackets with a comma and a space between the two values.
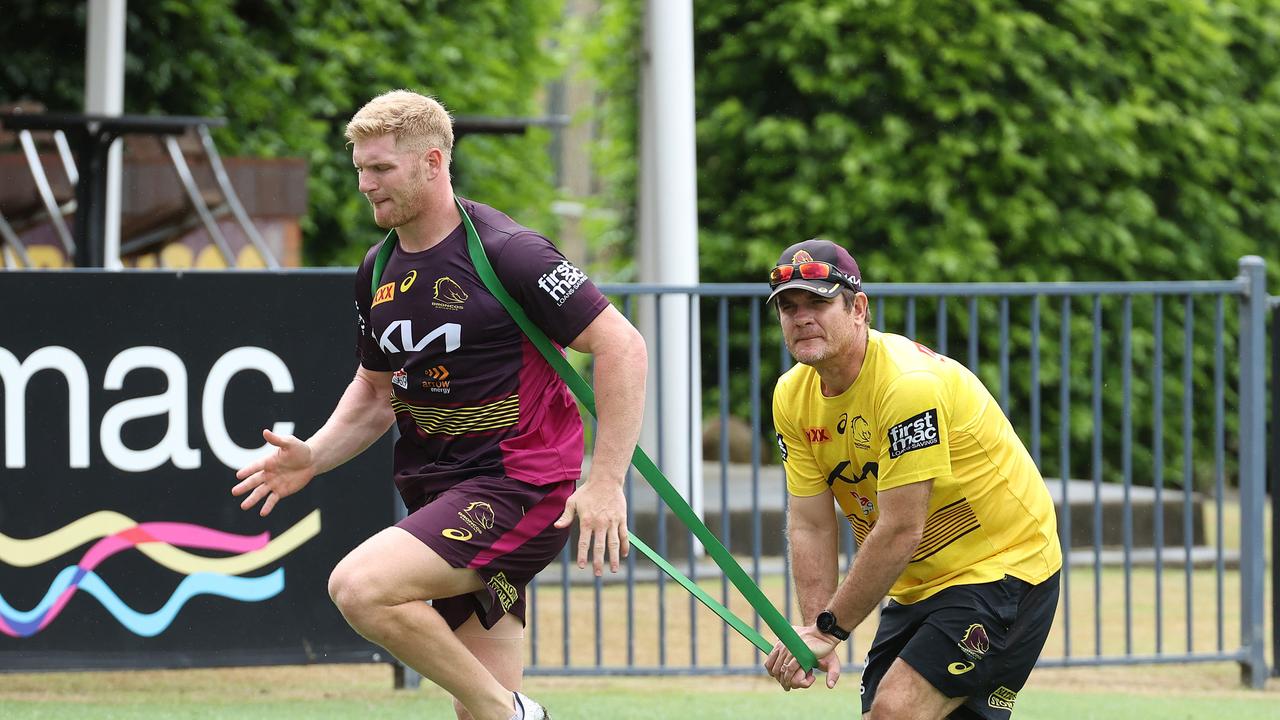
[491, 442]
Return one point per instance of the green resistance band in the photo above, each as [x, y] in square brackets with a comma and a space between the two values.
[655, 478]
[641, 461]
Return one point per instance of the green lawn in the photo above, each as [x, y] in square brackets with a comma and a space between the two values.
[364, 692]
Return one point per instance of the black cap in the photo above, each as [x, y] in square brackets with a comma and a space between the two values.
[822, 251]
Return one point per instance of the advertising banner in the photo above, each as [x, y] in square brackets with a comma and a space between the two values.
[129, 401]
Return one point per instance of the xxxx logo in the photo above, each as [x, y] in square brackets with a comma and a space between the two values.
[817, 434]
[385, 294]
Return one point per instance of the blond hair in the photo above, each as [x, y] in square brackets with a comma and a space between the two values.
[418, 122]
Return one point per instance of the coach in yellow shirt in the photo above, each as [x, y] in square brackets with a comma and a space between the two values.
[952, 519]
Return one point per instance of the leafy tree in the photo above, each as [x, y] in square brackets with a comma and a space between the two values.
[287, 74]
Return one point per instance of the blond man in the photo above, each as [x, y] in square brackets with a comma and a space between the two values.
[491, 443]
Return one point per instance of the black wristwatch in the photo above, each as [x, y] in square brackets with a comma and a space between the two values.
[827, 624]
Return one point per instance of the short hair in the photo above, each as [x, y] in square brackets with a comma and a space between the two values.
[849, 297]
[418, 122]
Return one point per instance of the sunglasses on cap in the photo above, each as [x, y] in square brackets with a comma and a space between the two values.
[811, 270]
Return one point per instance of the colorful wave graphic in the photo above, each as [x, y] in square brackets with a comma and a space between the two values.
[160, 541]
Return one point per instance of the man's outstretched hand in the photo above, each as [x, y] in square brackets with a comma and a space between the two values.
[276, 475]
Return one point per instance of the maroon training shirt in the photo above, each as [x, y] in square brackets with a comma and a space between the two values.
[472, 395]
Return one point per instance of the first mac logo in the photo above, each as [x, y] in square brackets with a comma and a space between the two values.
[171, 404]
[914, 433]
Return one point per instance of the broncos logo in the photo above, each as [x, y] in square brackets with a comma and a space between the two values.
[861, 433]
[975, 642]
[448, 291]
[479, 515]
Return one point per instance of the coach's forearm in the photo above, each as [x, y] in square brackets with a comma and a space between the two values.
[815, 552]
[362, 415]
[879, 562]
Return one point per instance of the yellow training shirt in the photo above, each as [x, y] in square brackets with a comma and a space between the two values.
[913, 415]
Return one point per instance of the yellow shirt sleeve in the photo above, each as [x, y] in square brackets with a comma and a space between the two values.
[804, 478]
[916, 443]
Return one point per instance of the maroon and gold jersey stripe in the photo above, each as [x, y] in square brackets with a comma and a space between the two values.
[462, 420]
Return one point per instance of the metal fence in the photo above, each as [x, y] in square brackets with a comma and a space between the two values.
[1143, 403]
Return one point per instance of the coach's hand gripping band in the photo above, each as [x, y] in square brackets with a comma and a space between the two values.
[651, 473]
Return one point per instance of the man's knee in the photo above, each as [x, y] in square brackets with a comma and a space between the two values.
[904, 693]
[354, 590]
[899, 706]
[889, 705]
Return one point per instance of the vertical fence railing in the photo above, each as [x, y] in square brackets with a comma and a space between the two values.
[1126, 385]
[1274, 471]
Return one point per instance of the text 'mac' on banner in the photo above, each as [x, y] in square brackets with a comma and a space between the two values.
[129, 400]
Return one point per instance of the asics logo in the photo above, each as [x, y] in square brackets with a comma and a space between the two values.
[960, 668]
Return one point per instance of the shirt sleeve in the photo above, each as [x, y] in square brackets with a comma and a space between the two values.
[368, 353]
[804, 478]
[917, 437]
[554, 293]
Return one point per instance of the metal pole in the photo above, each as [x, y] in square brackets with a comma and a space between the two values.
[671, 226]
[104, 95]
[1253, 467]
[91, 197]
[1274, 469]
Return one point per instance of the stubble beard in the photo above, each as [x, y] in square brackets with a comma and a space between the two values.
[810, 357]
[396, 220]
[402, 211]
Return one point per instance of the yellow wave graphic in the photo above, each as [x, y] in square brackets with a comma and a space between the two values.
[34, 551]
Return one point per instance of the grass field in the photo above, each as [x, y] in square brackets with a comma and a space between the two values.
[364, 691]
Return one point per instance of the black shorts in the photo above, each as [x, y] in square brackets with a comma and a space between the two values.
[972, 641]
[500, 527]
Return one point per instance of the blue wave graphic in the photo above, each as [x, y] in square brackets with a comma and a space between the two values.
[64, 580]
[27, 623]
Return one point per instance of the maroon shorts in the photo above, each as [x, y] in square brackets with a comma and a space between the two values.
[500, 527]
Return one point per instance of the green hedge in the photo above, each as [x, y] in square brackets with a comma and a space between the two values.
[989, 140]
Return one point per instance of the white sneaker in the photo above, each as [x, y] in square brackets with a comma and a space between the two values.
[528, 709]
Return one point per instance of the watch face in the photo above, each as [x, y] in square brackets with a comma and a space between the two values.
[827, 623]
